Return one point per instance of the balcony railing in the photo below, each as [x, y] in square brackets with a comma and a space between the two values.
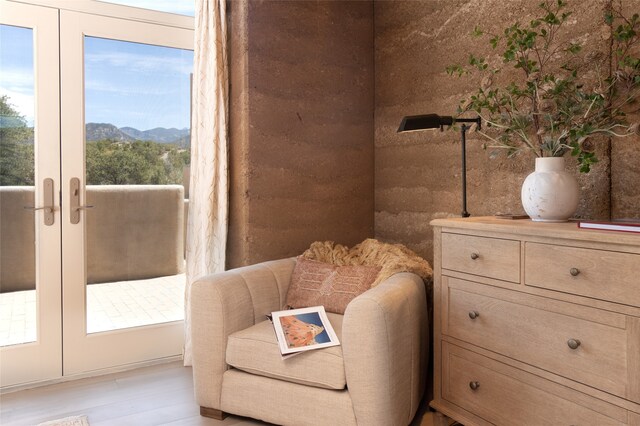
[135, 238]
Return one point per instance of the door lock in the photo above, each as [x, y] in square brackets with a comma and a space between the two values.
[74, 202]
[49, 208]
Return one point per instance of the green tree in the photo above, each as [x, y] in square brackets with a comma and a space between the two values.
[108, 162]
[135, 163]
[16, 147]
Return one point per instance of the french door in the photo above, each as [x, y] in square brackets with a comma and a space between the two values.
[30, 255]
[109, 257]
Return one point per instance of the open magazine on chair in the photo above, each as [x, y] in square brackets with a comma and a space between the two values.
[305, 329]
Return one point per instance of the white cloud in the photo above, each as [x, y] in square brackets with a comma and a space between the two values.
[139, 63]
[121, 89]
[21, 102]
[19, 79]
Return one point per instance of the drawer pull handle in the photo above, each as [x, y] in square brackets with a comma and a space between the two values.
[474, 314]
[474, 256]
[474, 385]
[573, 343]
[574, 272]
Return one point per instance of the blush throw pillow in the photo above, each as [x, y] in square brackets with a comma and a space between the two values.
[316, 283]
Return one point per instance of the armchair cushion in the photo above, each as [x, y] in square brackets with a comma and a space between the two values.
[255, 350]
[315, 283]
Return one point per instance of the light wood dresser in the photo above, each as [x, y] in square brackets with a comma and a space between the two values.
[536, 323]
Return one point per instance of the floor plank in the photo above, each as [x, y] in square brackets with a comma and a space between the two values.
[156, 395]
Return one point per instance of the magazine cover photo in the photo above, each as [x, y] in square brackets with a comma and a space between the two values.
[303, 329]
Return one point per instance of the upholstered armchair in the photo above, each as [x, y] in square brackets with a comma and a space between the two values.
[375, 377]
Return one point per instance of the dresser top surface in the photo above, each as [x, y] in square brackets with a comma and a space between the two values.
[527, 227]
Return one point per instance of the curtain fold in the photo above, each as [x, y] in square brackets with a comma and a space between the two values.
[208, 186]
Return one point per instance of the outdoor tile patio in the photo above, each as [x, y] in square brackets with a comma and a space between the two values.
[110, 306]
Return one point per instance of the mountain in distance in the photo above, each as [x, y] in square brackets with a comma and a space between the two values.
[101, 131]
[159, 134]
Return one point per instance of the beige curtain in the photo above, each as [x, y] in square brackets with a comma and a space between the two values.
[208, 188]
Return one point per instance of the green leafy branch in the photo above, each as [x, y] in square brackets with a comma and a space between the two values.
[560, 99]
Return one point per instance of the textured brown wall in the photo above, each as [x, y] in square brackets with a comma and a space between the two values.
[417, 175]
[625, 161]
[301, 134]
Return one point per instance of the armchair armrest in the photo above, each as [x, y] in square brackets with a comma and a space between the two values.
[385, 344]
[224, 303]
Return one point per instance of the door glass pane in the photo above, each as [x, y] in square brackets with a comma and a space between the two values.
[137, 141]
[17, 225]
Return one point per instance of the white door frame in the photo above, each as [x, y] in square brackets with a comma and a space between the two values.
[104, 8]
[62, 24]
[42, 359]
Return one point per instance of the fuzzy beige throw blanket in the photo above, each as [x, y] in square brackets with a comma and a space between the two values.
[392, 258]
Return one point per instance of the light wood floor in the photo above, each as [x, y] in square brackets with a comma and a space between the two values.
[158, 395]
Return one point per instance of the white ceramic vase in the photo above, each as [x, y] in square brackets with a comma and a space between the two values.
[550, 194]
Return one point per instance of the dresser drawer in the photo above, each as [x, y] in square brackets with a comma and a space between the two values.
[487, 257]
[540, 331]
[504, 395]
[600, 274]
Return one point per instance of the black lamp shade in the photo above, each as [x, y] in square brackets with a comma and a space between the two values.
[422, 122]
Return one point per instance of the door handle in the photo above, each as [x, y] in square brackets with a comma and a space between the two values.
[49, 208]
[74, 201]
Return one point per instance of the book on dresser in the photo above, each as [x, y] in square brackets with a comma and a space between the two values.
[535, 323]
[611, 226]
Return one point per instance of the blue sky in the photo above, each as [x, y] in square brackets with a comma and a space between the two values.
[136, 85]
[126, 84]
[16, 69]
